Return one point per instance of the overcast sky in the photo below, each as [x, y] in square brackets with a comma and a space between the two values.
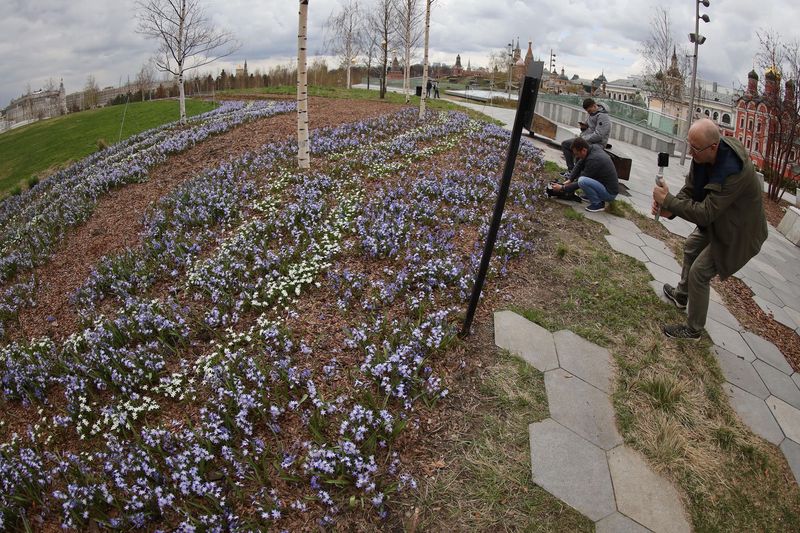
[43, 39]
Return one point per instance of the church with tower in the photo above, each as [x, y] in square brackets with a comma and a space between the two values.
[759, 118]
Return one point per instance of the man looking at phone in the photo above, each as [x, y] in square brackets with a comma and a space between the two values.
[723, 196]
[595, 130]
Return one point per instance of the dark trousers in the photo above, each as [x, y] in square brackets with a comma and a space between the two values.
[698, 269]
[566, 147]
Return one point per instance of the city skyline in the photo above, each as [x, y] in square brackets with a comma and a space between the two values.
[50, 39]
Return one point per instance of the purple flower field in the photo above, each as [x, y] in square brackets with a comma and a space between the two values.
[263, 359]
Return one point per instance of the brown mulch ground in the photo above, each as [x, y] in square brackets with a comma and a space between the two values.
[739, 301]
[116, 221]
[775, 211]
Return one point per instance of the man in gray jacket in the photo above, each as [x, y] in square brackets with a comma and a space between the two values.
[594, 174]
[595, 130]
[723, 196]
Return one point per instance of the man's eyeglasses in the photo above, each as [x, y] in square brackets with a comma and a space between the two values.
[695, 150]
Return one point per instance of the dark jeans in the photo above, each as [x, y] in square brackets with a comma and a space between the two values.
[566, 147]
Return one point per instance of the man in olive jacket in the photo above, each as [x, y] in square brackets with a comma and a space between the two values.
[723, 196]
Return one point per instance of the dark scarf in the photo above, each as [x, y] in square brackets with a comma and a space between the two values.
[726, 164]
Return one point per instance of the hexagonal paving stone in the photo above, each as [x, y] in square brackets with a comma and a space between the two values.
[718, 312]
[741, 373]
[619, 523]
[656, 244]
[729, 339]
[767, 352]
[665, 260]
[778, 383]
[662, 274]
[585, 359]
[624, 247]
[791, 450]
[658, 288]
[776, 311]
[571, 468]
[522, 337]
[644, 496]
[788, 417]
[584, 409]
[754, 412]
[766, 293]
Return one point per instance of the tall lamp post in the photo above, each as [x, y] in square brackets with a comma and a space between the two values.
[696, 39]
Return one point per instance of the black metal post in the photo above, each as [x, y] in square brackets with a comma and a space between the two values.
[525, 104]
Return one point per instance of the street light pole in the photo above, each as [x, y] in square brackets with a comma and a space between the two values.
[697, 39]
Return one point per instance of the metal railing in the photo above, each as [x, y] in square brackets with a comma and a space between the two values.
[639, 116]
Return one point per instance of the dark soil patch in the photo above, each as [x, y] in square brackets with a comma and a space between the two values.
[116, 221]
[739, 301]
[775, 210]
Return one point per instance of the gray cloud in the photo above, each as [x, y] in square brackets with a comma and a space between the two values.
[44, 39]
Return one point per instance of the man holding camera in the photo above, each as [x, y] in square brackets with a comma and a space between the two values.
[594, 174]
[723, 196]
[595, 130]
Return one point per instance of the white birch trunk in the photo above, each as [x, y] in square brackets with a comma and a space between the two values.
[181, 93]
[303, 156]
[407, 70]
[425, 59]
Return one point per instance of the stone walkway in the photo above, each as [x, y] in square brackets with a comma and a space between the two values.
[760, 382]
[578, 454]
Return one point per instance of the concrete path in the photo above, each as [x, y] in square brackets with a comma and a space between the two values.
[577, 454]
[773, 275]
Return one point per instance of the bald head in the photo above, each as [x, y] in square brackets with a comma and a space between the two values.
[705, 131]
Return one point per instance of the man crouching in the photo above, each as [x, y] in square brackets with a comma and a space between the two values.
[594, 174]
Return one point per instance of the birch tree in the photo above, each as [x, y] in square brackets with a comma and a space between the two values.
[370, 49]
[187, 40]
[345, 40]
[303, 156]
[409, 34]
[381, 23]
[428, 4]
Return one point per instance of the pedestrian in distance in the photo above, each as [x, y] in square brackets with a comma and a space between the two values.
[724, 198]
[436, 89]
[428, 89]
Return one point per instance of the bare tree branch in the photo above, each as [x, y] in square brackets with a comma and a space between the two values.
[345, 39]
[187, 40]
[381, 23]
[659, 76]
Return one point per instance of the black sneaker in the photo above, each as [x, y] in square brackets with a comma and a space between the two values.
[681, 331]
[594, 208]
[572, 197]
[669, 292]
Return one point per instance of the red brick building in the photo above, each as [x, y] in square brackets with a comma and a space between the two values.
[757, 117]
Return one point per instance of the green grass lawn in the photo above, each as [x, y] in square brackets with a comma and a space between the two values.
[46, 146]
